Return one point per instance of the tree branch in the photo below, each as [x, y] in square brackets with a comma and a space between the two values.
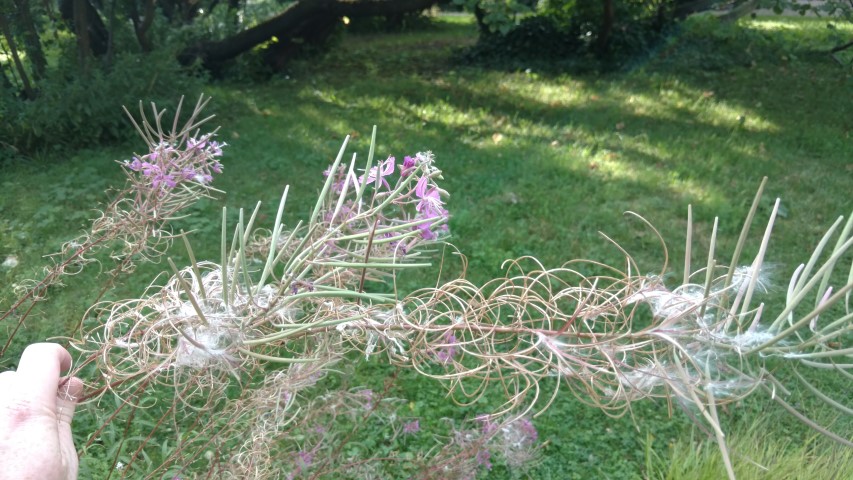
[291, 20]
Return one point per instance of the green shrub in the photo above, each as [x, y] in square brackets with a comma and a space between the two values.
[570, 35]
[75, 109]
[535, 42]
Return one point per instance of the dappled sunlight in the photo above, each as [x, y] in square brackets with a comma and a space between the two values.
[566, 127]
[767, 24]
[625, 166]
[680, 102]
[674, 101]
[561, 92]
[797, 24]
[798, 36]
[614, 140]
[522, 145]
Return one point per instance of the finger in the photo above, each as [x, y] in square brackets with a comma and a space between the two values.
[66, 399]
[6, 379]
[38, 372]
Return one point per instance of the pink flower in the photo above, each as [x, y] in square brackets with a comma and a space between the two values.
[408, 166]
[528, 431]
[488, 426]
[446, 353]
[430, 206]
[412, 427]
[483, 457]
[378, 173]
[193, 143]
[164, 167]
[135, 165]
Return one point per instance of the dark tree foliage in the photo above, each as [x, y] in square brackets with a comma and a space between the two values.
[573, 35]
[301, 22]
[606, 34]
[115, 44]
[120, 51]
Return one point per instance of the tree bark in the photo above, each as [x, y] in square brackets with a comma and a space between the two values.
[685, 8]
[22, 72]
[182, 11]
[313, 32]
[111, 32]
[739, 11]
[81, 26]
[293, 21]
[840, 48]
[96, 31]
[480, 15]
[4, 80]
[142, 25]
[30, 36]
[608, 17]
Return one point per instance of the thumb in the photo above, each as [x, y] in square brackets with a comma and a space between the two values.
[67, 394]
[70, 389]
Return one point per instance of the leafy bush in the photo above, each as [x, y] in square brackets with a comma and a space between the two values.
[536, 42]
[75, 109]
[570, 35]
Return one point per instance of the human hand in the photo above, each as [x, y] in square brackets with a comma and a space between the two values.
[36, 408]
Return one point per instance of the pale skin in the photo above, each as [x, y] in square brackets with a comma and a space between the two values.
[36, 407]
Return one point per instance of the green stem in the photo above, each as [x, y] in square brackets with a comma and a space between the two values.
[328, 184]
[372, 265]
[189, 292]
[276, 232]
[295, 329]
[269, 358]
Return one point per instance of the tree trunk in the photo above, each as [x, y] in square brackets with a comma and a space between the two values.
[81, 26]
[30, 36]
[4, 80]
[740, 10]
[112, 20]
[142, 25]
[608, 17]
[315, 31]
[480, 16]
[95, 30]
[183, 12]
[292, 23]
[833, 52]
[685, 8]
[22, 72]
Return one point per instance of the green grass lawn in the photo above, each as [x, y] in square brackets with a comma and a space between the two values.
[536, 164]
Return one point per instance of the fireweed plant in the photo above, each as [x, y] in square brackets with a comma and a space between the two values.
[246, 343]
[133, 228]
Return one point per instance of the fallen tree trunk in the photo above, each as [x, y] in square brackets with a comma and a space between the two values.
[833, 52]
[684, 8]
[303, 19]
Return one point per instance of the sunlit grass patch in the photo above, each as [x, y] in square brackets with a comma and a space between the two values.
[759, 453]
